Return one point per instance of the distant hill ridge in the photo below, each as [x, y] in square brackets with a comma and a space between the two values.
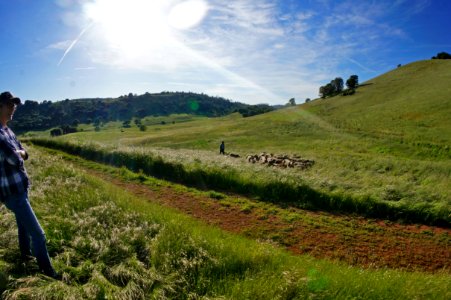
[410, 103]
[33, 115]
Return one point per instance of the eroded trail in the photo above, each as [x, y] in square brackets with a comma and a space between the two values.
[354, 240]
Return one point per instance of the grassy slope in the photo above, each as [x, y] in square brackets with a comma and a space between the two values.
[109, 244]
[411, 103]
[390, 141]
[407, 112]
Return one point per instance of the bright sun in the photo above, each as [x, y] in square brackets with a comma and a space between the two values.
[133, 27]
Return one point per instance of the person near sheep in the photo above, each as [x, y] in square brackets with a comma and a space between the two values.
[222, 148]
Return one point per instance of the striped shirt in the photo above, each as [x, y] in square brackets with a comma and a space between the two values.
[13, 177]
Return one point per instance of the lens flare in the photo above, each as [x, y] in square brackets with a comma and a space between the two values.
[187, 14]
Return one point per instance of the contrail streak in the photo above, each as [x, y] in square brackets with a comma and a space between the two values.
[360, 65]
[73, 43]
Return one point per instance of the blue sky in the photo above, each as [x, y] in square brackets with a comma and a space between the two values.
[251, 51]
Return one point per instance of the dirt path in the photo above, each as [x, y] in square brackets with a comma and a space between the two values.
[354, 240]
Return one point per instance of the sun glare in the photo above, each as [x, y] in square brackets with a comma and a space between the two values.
[187, 14]
[136, 27]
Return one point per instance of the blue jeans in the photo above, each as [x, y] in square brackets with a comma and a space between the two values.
[29, 227]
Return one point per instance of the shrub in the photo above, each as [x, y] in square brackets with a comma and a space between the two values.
[348, 92]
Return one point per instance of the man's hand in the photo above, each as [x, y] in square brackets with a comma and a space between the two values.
[22, 153]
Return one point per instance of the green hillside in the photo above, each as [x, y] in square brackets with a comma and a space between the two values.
[389, 143]
[411, 103]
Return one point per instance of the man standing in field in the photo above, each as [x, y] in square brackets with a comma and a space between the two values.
[14, 185]
[222, 148]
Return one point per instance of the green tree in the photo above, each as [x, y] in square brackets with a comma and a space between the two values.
[338, 84]
[56, 132]
[126, 124]
[352, 82]
[291, 102]
[442, 55]
[329, 89]
[68, 129]
[97, 122]
[322, 91]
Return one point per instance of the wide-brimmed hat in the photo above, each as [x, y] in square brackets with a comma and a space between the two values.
[7, 97]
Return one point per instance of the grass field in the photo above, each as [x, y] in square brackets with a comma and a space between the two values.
[111, 245]
[358, 241]
[388, 144]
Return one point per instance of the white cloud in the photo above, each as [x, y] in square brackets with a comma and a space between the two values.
[302, 16]
[62, 45]
[64, 3]
[418, 6]
[84, 68]
[70, 3]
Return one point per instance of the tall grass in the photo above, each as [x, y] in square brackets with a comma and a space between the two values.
[283, 191]
[109, 244]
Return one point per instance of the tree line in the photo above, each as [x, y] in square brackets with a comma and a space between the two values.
[67, 114]
[442, 55]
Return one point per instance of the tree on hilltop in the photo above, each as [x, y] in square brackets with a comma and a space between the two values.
[352, 82]
[291, 102]
[442, 55]
[322, 91]
[336, 87]
[337, 84]
[327, 90]
[333, 88]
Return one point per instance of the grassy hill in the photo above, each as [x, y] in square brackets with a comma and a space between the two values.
[411, 103]
[389, 143]
[109, 244]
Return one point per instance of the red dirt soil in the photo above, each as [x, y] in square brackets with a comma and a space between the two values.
[354, 240]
